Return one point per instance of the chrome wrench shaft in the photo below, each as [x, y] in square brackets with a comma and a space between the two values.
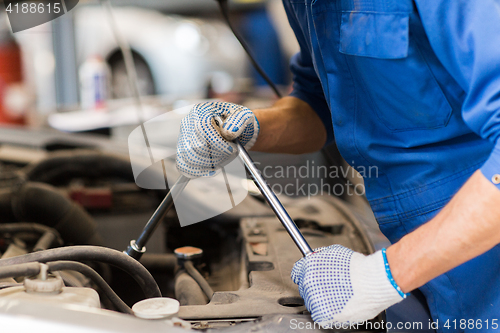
[273, 201]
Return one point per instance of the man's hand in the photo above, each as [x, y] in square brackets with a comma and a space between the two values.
[204, 145]
[339, 285]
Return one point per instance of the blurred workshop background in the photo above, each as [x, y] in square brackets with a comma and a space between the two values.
[69, 72]
[65, 84]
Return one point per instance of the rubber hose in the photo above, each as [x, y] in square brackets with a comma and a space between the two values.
[42, 203]
[24, 269]
[95, 277]
[188, 265]
[79, 163]
[7, 215]
[188, 291]
[94, 253]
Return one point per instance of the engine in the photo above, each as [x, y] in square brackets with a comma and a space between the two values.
[67, 215]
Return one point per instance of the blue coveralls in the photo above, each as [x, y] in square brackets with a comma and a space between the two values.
[414, 89]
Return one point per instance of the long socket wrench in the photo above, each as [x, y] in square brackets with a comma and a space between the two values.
[138, 247]
[274, 202]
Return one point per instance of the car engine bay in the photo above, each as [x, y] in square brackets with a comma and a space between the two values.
[68, 211]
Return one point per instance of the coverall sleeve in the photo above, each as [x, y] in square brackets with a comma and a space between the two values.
[465, 35]
[306, 84]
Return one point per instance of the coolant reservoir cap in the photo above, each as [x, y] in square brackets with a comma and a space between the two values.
[51, 285]
[188, 252]
[156, 308]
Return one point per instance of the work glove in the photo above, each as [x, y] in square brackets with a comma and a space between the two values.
[340, 286]
[205, 145]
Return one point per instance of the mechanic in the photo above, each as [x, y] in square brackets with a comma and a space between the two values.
[413, 88]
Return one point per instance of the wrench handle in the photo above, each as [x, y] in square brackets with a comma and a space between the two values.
[274, 202]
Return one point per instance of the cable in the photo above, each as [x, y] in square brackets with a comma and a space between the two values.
[94, 253]
[127, 57]
[202, 282]
[188, 291]
[24, 269]
[223, 4]
[33, 268]
[64, 265]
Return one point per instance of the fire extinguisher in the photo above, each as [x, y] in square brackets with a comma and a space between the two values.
[12, 111]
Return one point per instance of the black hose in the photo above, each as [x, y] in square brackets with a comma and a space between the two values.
[188, 265]
[24, 269]
[31, 227]
[223, 5]
[94, 253]
[188, 291]
[64, 165]
[42, 203]
[95, 277]
[7, 215]
[23, 200]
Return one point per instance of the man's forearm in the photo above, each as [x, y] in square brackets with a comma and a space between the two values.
[289, 126]
[467, 226]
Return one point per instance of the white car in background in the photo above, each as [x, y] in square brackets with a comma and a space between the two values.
[173, 55]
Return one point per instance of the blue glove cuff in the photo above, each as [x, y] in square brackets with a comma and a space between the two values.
[389, 276]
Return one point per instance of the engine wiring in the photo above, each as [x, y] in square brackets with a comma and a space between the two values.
[97, 254]
[63, 265]
[34, 268]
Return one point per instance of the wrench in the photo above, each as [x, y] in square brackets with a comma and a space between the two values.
[274, 202]
[137, 247]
